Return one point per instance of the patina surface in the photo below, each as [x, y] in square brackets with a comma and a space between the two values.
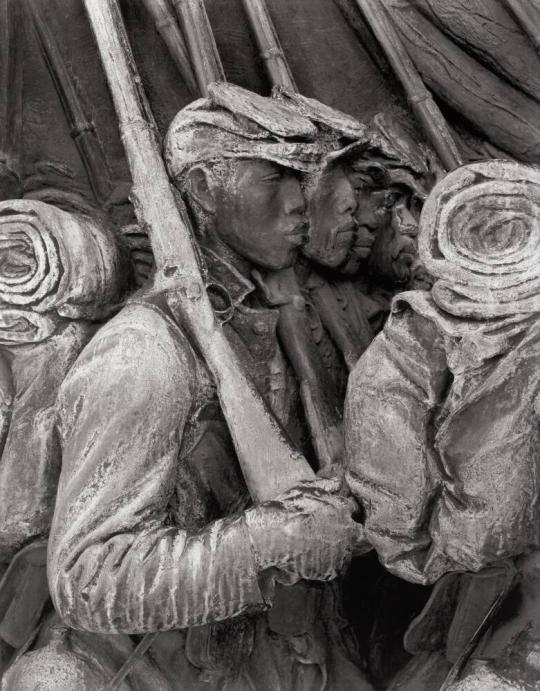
[269, 345]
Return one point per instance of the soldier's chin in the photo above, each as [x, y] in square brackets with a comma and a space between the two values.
[273, 262]
[352, 266]
[362, 252]
[323, 257]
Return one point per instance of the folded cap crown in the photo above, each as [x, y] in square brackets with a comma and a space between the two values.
[233, 123]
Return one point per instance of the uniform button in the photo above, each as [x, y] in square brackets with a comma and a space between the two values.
[259, 327]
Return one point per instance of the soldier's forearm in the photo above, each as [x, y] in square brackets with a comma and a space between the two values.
[160, 580]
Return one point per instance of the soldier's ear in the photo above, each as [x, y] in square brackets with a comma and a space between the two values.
[200, 188]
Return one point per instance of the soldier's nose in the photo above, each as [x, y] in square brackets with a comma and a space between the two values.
[294, 202]
[347, 203]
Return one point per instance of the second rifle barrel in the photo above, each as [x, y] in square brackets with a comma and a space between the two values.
[420, 99]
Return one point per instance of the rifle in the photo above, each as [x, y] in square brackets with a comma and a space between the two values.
[166, 24]
[201, 43]
[269, 463]
[424, 107]
[11, 87]
[268, 43]
[354, 19]
[82, 129]
[282, 287]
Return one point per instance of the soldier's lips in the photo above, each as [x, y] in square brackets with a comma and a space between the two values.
[361, 251]
[364, 242]
[345, 233]
[347, 227]
[299, 235]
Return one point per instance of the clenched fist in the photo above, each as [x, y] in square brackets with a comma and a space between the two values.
[307, 533]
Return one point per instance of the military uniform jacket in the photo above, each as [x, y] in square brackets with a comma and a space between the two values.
[443, 434]
[148, 533]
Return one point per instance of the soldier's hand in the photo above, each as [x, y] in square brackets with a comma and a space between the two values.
[307, 533]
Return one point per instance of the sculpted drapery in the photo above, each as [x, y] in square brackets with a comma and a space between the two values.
[162, 571]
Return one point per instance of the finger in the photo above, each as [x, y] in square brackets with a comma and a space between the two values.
[350, 503]
[330, 485]
[143, 257]
[360, 543]
[342, 503]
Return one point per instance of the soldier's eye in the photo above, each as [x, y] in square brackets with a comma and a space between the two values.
[390, 199]
[274, 176]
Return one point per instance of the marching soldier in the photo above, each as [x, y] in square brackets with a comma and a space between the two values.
[153, 529]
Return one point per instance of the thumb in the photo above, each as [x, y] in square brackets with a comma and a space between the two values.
[332, 485]
[360, 543]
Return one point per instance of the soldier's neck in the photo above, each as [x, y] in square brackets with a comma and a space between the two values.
[227, 254]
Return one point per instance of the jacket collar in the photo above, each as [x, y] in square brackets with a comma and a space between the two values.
[224, 274]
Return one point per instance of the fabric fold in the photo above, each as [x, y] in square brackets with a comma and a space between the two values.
[54, 266]
[481, 240]
[454, 486]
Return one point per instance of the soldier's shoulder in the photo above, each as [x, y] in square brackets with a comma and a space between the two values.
[415, 315]
[142, 332]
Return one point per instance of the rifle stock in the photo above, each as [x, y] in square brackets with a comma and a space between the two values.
[269, 463]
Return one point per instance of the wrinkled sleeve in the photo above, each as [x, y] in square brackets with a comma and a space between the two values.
[116, 562]
[30, 464]
[392, 396]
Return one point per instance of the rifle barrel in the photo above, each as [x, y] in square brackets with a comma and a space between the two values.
[81, 127]
[167, 26]
[268, 43]
[269, 463]
[11, 87]
[201, 43]
[420, 99]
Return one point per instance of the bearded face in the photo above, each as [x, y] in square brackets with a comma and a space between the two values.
[331, 210]
[387, 216]
[394, 251]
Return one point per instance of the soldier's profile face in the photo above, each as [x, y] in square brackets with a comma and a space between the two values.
[394, 249]
[371, 215]
[260, 213]
[332, 225]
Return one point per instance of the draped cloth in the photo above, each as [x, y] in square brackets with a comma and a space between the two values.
[54, 266]
[441, 420]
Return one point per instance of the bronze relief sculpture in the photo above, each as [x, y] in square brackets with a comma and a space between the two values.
[170, 486]
[270, 422]
[466, 354]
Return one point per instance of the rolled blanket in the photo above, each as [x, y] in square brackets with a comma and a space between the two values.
[53, 265]
[480, 237]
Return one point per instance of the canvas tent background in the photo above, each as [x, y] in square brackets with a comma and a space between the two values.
[333, 57]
